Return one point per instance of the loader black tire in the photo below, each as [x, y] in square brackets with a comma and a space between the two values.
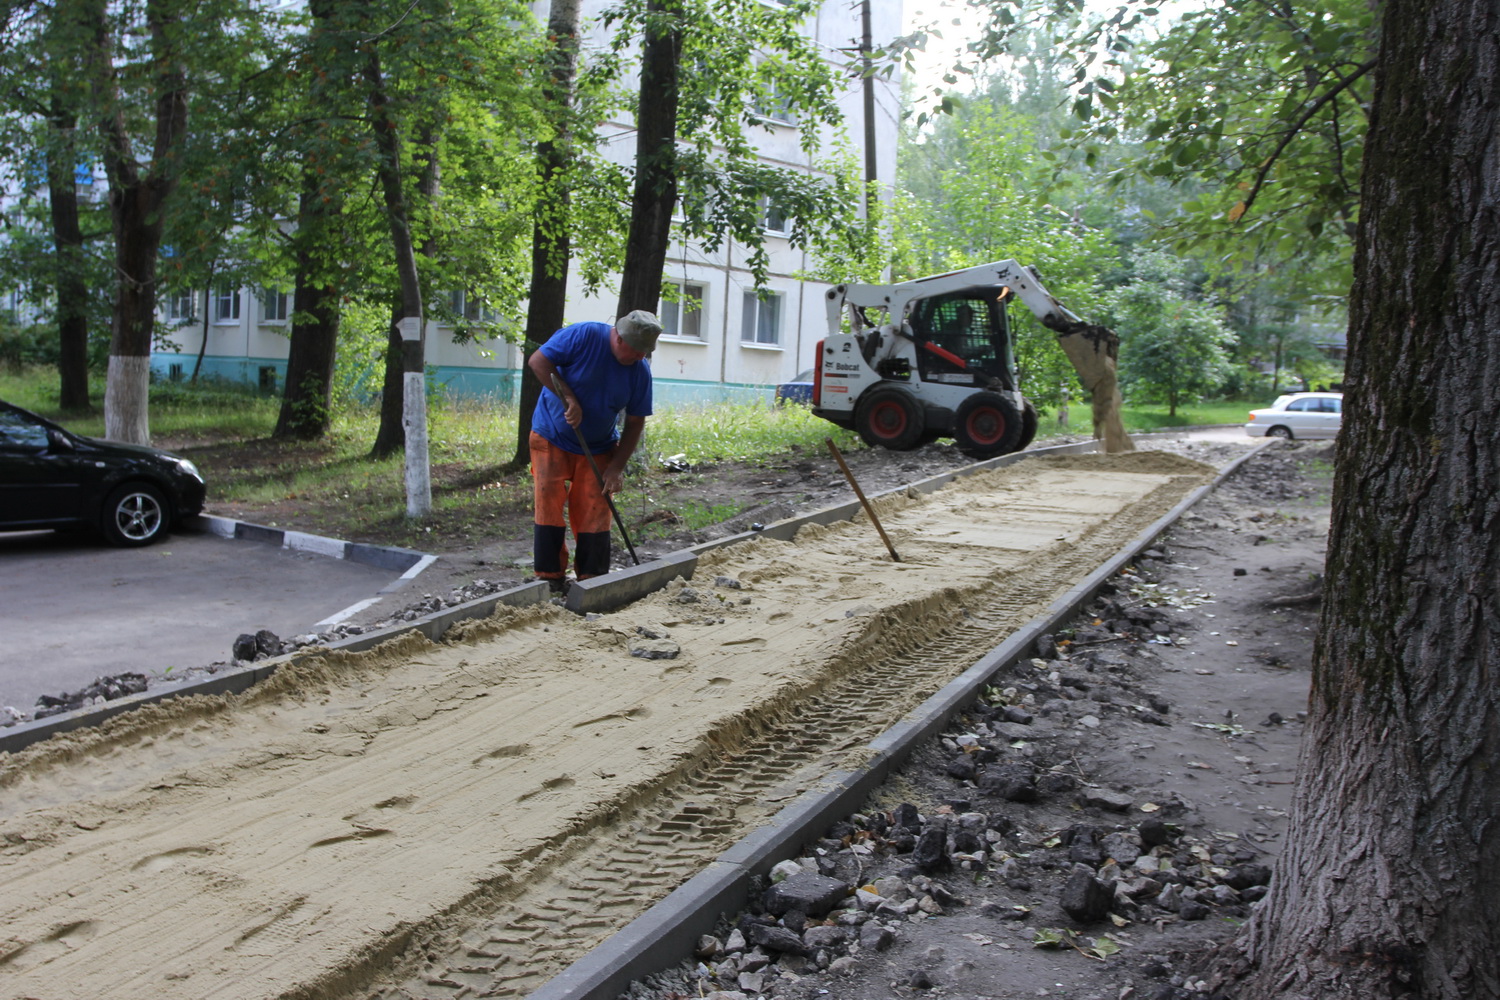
[889, 417]
[1030, 420]
[986, 425]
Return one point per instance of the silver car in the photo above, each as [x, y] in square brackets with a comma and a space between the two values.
[1299, 415]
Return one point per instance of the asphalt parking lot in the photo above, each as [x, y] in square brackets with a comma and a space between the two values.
[73, 609]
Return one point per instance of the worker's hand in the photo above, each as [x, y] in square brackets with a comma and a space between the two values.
[572, 412]
[614, 479]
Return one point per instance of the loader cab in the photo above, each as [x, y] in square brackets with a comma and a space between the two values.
[964, 337]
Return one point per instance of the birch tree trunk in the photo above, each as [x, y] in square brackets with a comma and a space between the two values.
[1390, 883]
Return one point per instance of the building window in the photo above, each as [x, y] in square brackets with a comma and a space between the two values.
[773, 217]
[467, 307]
[681, 310]
[180, 306]
[275, 305]
[761, 323]
[226, 304]
[774, 105]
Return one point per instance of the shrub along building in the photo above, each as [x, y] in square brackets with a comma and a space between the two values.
[724, 340]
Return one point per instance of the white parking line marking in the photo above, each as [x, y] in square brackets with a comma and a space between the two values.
[349, 612]
[419, 566]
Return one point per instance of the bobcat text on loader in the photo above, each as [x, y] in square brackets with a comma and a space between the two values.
[934, 358]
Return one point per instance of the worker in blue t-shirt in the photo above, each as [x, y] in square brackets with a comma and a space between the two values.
[604, 371]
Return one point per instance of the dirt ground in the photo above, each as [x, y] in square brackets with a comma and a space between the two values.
[1226, 682]
[344, 818]
[500, 551]
[317, 789]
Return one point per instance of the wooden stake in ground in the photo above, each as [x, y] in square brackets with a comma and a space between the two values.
[839, 458]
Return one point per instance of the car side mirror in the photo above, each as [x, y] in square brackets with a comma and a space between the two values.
[59, 441]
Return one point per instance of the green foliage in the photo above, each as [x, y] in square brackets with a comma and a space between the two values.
[212, 409]
[1099, 948]
[363, 337]
[977, 192]
[1259, 111]
[22, 346]
[747, 71]
[1174, 348]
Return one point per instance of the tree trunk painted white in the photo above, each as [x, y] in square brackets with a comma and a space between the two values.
[414, 422]
[126, 388]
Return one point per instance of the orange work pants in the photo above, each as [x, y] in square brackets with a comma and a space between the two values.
[565, 490]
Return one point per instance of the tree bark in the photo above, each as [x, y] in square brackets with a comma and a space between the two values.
[208, 294]
[70, 282]
[551, 241]
[392, 436]
[307, 400]
[137, 200]
[655, 195]
[1390, 882]
[70, 285]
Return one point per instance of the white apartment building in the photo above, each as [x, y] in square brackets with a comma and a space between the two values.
[722, 341]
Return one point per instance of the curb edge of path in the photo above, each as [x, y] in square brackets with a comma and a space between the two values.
[655, 940]
[408, 562]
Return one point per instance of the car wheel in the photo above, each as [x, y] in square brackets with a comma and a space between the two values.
[1285, 433]
[889, 418]
[986, 425]
[135, 514]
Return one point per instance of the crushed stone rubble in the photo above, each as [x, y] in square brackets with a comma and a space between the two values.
[987, 848]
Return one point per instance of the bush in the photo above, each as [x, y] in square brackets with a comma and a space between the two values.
[26, 345]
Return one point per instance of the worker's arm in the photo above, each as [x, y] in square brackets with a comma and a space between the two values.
[546, 372]
[630, 436]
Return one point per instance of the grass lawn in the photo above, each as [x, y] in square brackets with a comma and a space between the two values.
[335, 487]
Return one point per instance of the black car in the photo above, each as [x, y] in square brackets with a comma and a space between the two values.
[53, 478]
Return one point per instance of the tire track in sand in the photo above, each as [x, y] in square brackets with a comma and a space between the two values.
[361, 812]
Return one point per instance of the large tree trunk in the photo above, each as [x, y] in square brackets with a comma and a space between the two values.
[307, 401]
[551, 245]
[137, 201]
[70, 285]
[1390, 882]
[390, 437]
[655, 195]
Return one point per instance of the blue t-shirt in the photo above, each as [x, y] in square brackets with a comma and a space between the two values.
[603, 386]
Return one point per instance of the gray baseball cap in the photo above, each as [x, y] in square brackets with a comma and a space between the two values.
[639, 329]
